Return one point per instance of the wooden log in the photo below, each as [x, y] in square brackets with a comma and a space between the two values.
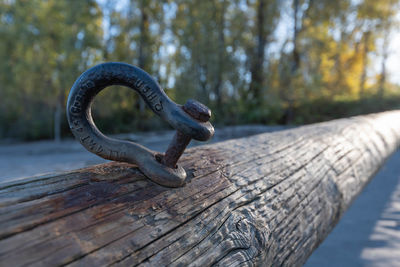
[266, 200]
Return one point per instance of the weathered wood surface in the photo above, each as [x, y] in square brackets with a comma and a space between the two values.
[265, 200]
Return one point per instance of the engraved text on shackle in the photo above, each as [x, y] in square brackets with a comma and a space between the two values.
[149, 94]
[76, 113]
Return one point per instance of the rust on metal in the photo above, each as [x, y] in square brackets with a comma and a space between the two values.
[180, 141]
[190, 121]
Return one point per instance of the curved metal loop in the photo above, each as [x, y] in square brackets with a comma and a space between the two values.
[81, 97]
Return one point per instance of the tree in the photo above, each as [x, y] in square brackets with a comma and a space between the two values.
[48, 44]
[266, 19]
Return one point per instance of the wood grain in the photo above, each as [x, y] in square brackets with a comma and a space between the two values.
[265, 200]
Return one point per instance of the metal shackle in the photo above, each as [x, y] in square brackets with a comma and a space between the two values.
[190, 121]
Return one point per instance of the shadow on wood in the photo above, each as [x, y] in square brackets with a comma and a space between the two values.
[264, 200]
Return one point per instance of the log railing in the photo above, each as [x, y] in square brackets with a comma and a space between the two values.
[265, 200]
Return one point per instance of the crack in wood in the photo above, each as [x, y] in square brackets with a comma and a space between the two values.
[265, 200]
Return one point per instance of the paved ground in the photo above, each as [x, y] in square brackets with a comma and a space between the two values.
[367, 235]
[28, 159]
[369, 232]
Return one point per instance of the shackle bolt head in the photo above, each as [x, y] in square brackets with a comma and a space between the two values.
[197, 111]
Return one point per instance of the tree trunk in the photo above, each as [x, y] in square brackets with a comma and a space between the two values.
[219, 15]
[298, 26]
[257, 77]
[144, 28]
[365, 52]
[266, 200]
[58, 113]
[295, 63]
[296, 55]
[57, 121]
[385, 51]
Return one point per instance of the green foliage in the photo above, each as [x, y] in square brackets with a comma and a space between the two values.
[227, 54]
[45, 45]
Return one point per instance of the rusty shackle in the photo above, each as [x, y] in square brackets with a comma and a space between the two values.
[190, 121]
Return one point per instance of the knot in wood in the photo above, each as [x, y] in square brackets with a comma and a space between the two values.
[246, 240]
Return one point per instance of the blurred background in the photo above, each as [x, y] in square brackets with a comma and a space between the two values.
[254, 61]
[258, 62]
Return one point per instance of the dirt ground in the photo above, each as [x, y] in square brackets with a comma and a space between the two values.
[367, 235]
